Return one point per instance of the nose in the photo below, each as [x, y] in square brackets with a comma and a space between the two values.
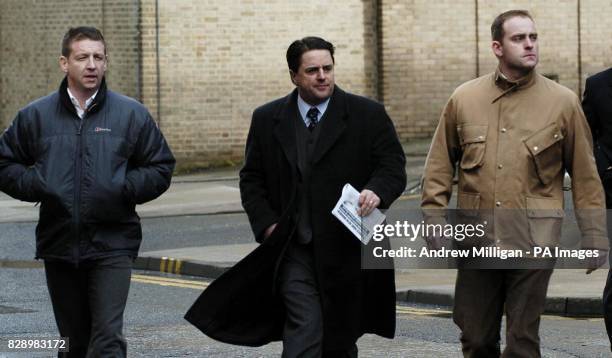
[529, 43]
[321, 74]
[91, 64]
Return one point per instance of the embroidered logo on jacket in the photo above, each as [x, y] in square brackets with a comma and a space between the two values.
[100, 129]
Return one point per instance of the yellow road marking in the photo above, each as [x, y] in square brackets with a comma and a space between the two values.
[441, 312]
[421, 311]
[172, 282]
[409, 197]
[590, 319]
[170, 279]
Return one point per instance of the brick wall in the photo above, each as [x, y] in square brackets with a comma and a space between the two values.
[219, 61]
[596, 37]
[430, 47]
[30, 37]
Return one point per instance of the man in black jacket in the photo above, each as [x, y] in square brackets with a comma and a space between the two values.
[597, 106]
[88, 155]
[301, 151]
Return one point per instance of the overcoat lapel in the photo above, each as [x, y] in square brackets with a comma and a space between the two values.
[284, 131]
[333, 124]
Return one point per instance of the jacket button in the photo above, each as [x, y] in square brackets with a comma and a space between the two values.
[498, 203]
[535, 149]
[556, 136]
[500, 166]
[503, 130]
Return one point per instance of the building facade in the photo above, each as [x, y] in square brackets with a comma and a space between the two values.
[203, 66]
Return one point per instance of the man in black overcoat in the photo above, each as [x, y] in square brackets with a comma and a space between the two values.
[305, 284]
[597, 106]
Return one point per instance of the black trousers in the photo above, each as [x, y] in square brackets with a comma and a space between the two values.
[303, 330]
[482, 296]
[88, 303]
[607, 304]
[607, 294]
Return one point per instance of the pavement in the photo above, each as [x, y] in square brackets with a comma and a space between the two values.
[570, 293]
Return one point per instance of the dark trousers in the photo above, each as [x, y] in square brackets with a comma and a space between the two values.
[607, 294]
[480, 299]
[607, 304]
[88, 303]
[303, 330]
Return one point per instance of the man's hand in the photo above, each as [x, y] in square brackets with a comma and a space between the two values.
[593, 263]
[269, 230]
[434, 217]
[368, 201]
[434, 242]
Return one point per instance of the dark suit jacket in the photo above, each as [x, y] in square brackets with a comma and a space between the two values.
[597, 106]
[357, 145]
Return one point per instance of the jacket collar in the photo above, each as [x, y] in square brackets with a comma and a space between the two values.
[508, 86]
[332, 124]
[93, 107]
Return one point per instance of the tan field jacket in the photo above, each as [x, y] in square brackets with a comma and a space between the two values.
[512, 143]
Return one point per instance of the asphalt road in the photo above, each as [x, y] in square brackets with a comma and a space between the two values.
[155, 327]
[154, 324]
[18, 243]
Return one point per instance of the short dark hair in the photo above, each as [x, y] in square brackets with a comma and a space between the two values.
[497, 28]
[298, 47]
[78, 33]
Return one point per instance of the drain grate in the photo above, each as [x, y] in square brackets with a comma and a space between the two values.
[13, 310]
[21, 264]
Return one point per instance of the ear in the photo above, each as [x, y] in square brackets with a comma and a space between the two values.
[63, 62]
[497, 48]
[292, 76]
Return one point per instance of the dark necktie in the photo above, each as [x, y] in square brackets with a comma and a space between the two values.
[313, 116]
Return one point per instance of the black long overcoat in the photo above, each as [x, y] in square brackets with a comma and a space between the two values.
[358, 145]
[597, 105]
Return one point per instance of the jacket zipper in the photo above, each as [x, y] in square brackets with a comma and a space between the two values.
[81, 145]
[77, 194]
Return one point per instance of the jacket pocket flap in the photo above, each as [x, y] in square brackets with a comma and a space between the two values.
[472, 133]
[544, 208]
[543, 139]
[468, 201]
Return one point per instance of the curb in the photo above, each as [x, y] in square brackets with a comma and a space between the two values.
[556, 306]
[179, 267]
[583, 307]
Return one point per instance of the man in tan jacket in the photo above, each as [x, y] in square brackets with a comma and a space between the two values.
[513, 134]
